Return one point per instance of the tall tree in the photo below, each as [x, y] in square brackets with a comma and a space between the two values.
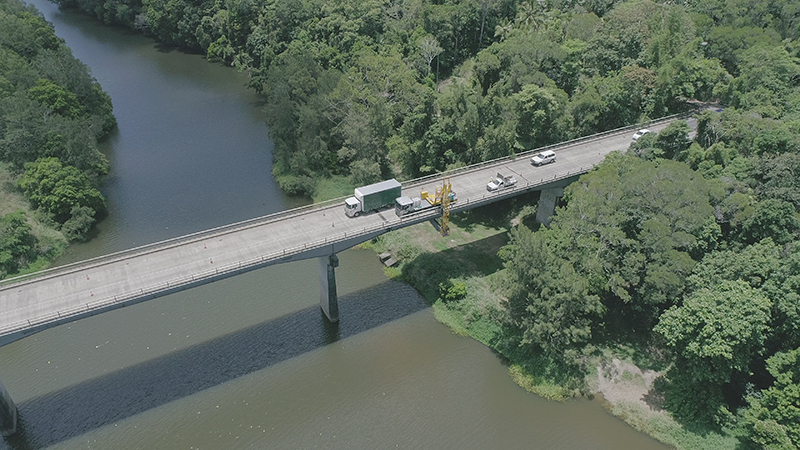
[716, 334]
[429, 48]
[550, 305]
[57, 188]
[772, 419]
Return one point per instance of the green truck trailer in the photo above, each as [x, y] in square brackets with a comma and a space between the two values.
[373, 197]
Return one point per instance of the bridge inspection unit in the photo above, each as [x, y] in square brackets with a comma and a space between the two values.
[52, 297]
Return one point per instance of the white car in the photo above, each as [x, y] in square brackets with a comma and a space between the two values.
[500, 182]
[545, 157]
[640, 133]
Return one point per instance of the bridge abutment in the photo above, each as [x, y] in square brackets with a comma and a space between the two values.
[328, 300]
[547, 205]
[8, 413]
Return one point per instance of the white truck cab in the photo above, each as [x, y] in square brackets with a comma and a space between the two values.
[352, 207]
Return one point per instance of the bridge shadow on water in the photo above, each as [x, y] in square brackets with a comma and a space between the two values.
[110, 398]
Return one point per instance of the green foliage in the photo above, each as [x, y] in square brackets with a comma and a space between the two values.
[631, 227]
[674, 139]
[765, 83]
[772, 419]
[772, 218]
[350, 84]
[783, 288]
[754, 264]
[726, 42]
[56, 98]
[17, 243]
[49, 104]
[340, 103]
[63, 191]
[452, 291]
[537, 111]
[81, 220]
[334, 187]
[716, 334]
[776, 179]
[550, 304]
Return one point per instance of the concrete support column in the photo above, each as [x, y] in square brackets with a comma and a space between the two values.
[8, 413]
[547, 205]
[327, 287]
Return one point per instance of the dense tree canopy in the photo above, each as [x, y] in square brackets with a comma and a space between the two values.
[51, 110]
[356, 88]
[59, 189]
[693, 261]
[773, 418]
[717, 334]
[551, 306]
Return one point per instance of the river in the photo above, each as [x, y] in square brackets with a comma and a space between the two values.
[250, 362]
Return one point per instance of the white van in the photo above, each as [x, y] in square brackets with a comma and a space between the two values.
[545, 157]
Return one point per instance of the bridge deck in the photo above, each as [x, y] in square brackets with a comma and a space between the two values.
[70, 292]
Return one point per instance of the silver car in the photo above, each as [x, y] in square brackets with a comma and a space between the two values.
[545, 157]
[640, 133]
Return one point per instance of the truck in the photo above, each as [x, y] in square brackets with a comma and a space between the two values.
[500, 182]
[372, 197]
[407, 205]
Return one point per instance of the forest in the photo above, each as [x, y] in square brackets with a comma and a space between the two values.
[686, 249]
[52, 113]
[364, 90]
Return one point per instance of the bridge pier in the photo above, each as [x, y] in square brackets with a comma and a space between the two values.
[8, 413]
[328, 300]
[547, 205]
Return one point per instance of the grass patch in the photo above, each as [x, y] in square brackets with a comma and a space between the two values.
[333, 187]
[450, 317]
[664, 428]
[51, 243]
[10, 198]
[541, 386]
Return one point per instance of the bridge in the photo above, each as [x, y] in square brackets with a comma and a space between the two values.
[64, 294]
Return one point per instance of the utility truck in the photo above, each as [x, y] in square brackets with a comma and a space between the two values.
[500, 182]
[372, 197]
[407, 205]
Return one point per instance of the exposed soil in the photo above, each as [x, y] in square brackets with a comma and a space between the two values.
[622, 382]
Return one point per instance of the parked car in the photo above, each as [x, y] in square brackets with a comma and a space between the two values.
[640, 133]
[545, 157]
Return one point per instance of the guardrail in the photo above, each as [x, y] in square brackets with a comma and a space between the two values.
[159, 289]
[526, 153]
[226, 229]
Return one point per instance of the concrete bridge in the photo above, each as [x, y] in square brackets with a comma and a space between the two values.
[64, 294]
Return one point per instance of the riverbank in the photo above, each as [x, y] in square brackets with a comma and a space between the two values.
[461, 277]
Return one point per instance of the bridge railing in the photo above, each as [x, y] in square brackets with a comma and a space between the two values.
[531, 152]
[150, 248]
[156, 246]
[159, 289]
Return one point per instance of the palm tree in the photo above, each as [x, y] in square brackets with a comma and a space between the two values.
[503, 30]
[527, 15]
